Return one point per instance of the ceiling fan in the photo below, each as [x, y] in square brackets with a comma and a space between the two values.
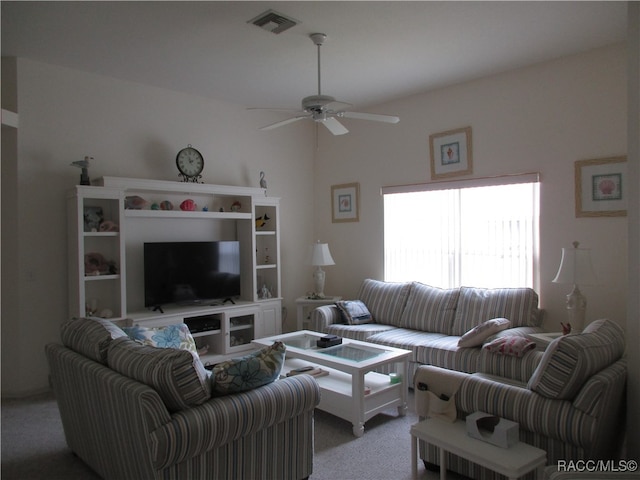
[326, 110]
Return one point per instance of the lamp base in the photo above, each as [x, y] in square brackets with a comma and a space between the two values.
[318, 280]
[576, 309]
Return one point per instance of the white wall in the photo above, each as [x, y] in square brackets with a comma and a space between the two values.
[542, 118]
[132, 130]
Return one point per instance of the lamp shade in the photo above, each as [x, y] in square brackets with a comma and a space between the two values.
[575, 267]
[320, 255]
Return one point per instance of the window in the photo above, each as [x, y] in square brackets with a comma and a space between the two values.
[481, 233]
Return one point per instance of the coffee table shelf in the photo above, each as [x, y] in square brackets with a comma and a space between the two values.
[343, 390]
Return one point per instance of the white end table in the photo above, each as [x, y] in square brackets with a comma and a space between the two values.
[543, 339]
[306, 304]
[512, 462]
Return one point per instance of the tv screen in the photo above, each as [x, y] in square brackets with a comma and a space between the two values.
[190, 273]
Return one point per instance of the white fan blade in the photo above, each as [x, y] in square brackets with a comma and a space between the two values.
[334, 126]
[370, 116]
[284, 122]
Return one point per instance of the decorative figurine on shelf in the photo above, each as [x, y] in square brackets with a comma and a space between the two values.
[134, 202]
[263, 183]
[109, 226]
[262, 220]
[155, 206]
[264, 292]
[93, 217]
[236, 206]
[95, 264]
[566, 329]
[166, 205]
[188, 205]
[84, 166]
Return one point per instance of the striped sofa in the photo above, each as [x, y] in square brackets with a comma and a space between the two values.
[168, 426]
[572, 406]
[430, 321]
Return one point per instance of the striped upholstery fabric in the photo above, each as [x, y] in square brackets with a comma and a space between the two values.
[516, 368]
[117, 426]
[477, 305]
[385, 300]
[358, 332]
[232, 417]
[177, 375]
[444, 352]
[90, 336]
[430, 309]
[570, 360]
[324, 316]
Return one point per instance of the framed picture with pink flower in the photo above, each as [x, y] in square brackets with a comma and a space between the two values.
[601, 187]
[344, 202]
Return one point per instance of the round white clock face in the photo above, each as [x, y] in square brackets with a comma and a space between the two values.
[190, 162]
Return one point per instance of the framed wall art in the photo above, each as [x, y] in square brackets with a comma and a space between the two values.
[451, 153]
[601, 187]
[345, 200]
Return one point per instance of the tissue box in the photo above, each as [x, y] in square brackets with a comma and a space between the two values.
[492, 429]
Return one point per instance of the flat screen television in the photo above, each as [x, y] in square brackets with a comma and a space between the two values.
[191, 273]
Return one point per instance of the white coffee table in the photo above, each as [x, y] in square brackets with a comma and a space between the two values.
[513, 462]
[343, 390]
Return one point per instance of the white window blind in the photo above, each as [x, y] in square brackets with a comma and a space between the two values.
[482, 232]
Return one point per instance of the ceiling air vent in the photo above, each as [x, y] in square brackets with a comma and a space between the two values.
[273, 22]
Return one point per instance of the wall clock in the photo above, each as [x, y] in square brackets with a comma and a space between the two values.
[190, 163]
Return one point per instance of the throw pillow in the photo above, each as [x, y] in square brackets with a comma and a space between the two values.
[177, 375]
[354, 312]
[251, 371]
[515, 346]
[572, 359]
[170, 336]
[90, 336]
[478, 334]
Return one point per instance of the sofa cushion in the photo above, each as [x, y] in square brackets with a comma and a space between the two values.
[569, 361]
[430, 309]
[478, 334]
[477, 305]
[169, 336]
[90, 336]
[358, 332]
[177, 375]
[251, 371]
[354, 312]
[385, 300]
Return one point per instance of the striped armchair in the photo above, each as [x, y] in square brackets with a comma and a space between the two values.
[126, 429]
[572, 406]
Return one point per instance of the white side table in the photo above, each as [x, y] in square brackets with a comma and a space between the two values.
[512, 462]
[305, 305]
[543, 339]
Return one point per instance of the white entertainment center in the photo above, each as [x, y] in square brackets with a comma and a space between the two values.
[130, 212]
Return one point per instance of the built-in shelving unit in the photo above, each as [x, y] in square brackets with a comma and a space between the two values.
[132, 208]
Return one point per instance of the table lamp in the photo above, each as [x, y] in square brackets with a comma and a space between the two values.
[320, 256]
[576, 269]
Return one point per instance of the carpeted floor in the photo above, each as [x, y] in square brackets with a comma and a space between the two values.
[34, 448]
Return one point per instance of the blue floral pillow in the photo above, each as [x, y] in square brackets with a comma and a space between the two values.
[170, 336]
[246, 373]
